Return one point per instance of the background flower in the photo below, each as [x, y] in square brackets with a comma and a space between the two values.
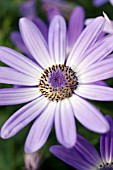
[84, 156]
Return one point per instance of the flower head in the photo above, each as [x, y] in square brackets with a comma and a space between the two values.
[84, 156]
[56, 85]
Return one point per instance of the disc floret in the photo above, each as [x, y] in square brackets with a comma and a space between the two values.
[58, 82]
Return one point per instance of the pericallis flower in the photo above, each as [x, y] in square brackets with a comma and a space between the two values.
[56, 86]
[83, 156]
[101, 2]
[28, 9]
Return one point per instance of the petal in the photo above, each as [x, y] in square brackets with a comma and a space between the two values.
[87, 38]
[35, 42]
[23, 117]
[95, 92]
[76, 24]
[57, 39]
[108, 25]
[97, 52]
[72, 157]
[10, 76]
[41, 129]
[100, 83]
[99, 2]
[88, 115]
[98, 71]
[19, 62]
[12, 96]
[106, 143]
[18, 42]
[65, 124]
[88, 151]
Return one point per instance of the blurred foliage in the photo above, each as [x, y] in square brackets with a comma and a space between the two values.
[12, 150]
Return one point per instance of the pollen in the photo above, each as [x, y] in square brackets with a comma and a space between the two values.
[58, 82]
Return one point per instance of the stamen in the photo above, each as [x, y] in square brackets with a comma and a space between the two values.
[58, 82]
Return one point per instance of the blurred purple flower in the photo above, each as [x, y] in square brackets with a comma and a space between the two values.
[83, 156]
[101, 2]
[76, 23]
[57, 85]
[28, 9]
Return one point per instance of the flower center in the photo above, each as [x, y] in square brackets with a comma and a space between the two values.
[58, 82]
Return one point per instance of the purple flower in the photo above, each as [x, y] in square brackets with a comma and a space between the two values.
[101, 2]
[56, 85]
[83, 156]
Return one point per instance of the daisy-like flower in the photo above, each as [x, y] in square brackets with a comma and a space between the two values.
[83, 156]
[101, 2]
[56, 85]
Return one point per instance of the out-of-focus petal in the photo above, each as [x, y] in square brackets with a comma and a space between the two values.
[18, 42]
[28, 9]
[52, 11]
[73, 157]
[106, 143]
[76, 24]
[42, 27]
[99, 2]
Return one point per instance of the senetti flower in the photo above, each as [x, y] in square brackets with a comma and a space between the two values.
[101, 2]
[83, 156]
[56, 86]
